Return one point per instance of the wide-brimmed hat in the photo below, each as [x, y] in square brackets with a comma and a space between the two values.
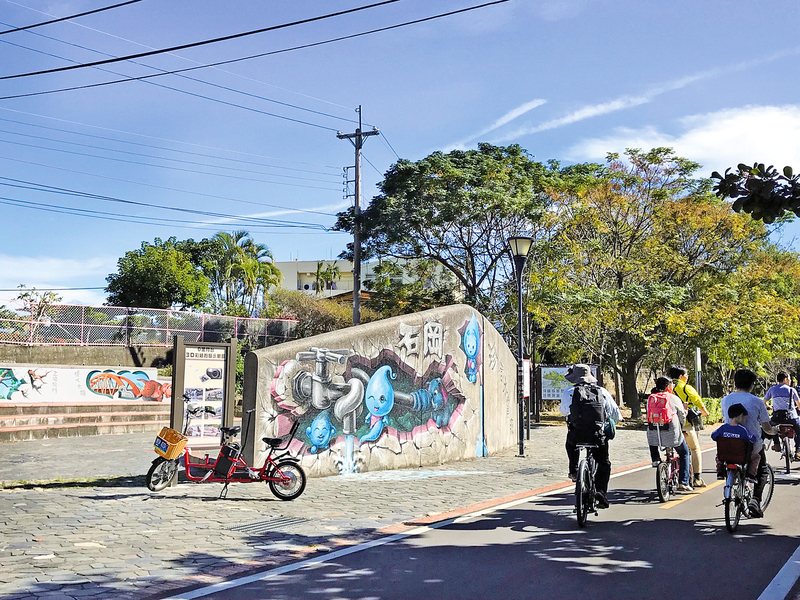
[580, 374]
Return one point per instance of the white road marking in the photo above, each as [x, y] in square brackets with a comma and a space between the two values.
[784, 581]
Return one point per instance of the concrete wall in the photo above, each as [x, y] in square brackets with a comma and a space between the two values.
[37, 383]
[421, 389]
[135, 356]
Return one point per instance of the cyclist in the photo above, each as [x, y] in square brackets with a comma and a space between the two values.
[735, 429]
[665, 417]
[691, 400]
[757, 420]
[785, 402]
[587, 407]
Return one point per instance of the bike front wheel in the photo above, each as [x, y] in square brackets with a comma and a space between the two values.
[769, 487]
[290, 481]
[735, 504]
[583, 493]
[161, 473]
[662, 481]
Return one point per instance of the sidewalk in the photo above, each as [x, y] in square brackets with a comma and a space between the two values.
[115, 538]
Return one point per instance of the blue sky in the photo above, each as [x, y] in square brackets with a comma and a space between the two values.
[569, 80]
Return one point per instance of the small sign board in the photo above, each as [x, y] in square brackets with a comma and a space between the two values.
[551, 382]
[526, 378]
[203, 374]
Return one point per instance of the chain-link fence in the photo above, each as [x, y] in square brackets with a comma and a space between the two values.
[67, 324]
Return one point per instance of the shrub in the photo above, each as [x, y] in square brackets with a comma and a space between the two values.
[714, 406]
[314, 315]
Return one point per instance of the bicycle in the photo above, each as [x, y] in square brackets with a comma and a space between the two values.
[584, 485]
[785, 433]
[282, 472]
[667, 475]
[735, 454]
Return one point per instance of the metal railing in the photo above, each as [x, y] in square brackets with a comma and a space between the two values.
[76, 325]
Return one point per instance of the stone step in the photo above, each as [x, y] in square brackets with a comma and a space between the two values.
[82, 418]
[126, 406]
[36, 432]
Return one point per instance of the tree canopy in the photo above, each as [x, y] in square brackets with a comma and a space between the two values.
[760, 191]
[158, 275]
[633, 261]
[457, 210]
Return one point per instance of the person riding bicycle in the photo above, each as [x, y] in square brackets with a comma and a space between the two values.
[588, 407]
[665, 417]
[785, 402]
[756, 421]
[693, 404]
[737, 414]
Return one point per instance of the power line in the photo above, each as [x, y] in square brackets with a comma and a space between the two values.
[273, 52]
[153, 137]
[51, 289]
[158, 187]
[178, 160]
[157, 166]
[65, 191]
[203, 42]
[226, 88]
[83, 14]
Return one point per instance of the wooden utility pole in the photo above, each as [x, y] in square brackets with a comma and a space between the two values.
[357, 139]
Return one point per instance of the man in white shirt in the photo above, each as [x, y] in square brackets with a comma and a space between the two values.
[757, 420]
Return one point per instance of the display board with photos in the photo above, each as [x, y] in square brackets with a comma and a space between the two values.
[551, 380]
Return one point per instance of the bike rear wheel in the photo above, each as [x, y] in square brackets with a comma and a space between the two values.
[787, 454]
[769, 487]
[662, 481]
[293, 484]
[583, 492]
[161, 473]
[735, 504]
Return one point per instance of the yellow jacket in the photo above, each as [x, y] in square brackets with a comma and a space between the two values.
[689, 395]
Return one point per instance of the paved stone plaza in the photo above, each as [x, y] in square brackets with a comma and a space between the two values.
[112, 537]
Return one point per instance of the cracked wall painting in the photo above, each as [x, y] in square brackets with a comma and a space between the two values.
[367, 405]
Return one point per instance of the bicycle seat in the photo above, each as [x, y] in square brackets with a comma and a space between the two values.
[273, 442]
[231, 431]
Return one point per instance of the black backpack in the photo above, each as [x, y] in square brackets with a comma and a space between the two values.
[587, 414]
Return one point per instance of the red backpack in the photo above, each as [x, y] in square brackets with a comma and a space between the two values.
[659, 409]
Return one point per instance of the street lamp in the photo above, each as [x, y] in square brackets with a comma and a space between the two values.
[519, 246]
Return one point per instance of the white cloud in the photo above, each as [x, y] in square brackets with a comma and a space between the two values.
[50, 272]
[716, 140]
[514, 113]
[628, 101]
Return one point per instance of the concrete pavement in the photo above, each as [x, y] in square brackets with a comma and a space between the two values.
[114, 538]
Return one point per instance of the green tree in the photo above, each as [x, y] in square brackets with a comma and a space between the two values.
[391, 297]
[37, 304]
[630, 256]
[760, 191]
[313, 315]
[157, 275]
[457, 210]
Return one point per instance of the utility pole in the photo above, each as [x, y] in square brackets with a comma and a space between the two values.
[357, 139]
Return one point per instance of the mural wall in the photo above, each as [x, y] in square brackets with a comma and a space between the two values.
[37, 383]
[413, 390]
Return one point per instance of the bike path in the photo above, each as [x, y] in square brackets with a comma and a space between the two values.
[637, 549]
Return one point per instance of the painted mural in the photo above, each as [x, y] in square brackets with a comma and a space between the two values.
[19, 383]
[347, 401]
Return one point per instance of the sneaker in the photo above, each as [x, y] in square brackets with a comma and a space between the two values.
[796, 455]
[683, 487]
[698, 482]
[777, 448]
[721, 476]
[601, 500]
[755, 508]
[655, 463]
[573, 477]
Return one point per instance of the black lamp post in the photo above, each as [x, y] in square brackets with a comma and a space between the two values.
[519, 246]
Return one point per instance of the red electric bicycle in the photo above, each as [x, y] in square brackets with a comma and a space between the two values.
[281, 471]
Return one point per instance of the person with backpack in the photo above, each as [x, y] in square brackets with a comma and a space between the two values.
[665, 420]
[785, 403]
[588, 408]
[695, 411]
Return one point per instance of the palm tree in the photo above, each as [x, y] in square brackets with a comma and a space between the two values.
[331, 274]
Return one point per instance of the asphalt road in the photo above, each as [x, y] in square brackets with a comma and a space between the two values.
[637, 549]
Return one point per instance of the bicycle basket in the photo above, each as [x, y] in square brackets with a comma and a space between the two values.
[786, 430]
[734, 450]
[169, 443]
